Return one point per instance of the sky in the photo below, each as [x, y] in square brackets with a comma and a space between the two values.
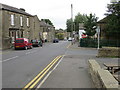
[58, 11]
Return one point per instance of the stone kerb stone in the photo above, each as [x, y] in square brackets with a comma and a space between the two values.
[102, 78]
[107, 80]
[93, 69]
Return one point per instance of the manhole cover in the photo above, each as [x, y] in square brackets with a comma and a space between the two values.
[81, 67]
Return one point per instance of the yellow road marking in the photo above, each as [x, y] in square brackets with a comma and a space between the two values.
[32, 86]
[43, 71]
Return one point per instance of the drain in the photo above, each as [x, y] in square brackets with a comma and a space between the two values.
[80, 67]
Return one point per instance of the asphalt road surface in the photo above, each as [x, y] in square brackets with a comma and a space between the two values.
[20, 66]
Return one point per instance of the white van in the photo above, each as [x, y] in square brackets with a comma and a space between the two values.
[69, 39]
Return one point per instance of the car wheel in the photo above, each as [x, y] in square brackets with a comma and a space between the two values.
[26, 48]
[41, 45]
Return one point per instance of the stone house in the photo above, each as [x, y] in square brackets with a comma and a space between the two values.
[38, 30]
[48, 31]
[102, 23]
[43, 27]
[15, 23]
[63, 32]
[103, 28]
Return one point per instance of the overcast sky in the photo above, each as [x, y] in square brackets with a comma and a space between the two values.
[58, 11]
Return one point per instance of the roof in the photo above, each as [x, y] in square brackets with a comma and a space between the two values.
[13, 9]
[43, 24]
[103, 21]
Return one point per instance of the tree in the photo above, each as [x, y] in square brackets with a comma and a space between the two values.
[60, 36]
[90, 24]
[47, 21]
[69, 25]
[79, 18]
[113, 20]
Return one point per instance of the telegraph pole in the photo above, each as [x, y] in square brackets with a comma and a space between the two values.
[72, 20]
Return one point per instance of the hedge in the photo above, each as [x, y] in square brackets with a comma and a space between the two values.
[90, 42]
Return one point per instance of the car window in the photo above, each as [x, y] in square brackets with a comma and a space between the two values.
[34, 40]
[19, 41]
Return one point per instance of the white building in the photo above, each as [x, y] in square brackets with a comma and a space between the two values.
[81, 32]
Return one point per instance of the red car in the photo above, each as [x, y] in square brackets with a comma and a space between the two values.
[22, 43]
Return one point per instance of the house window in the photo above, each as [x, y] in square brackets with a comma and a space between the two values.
[12, 20]
[28, 24]
[22, 33]
[9, 34]
[21, 21]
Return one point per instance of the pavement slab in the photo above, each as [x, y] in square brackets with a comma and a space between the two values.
[72, 71]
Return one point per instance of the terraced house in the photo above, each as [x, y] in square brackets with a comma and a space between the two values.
[48, 31]
[16, 23]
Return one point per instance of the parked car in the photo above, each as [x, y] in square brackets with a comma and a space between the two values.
[22, 43]
[55, 40]
[36, 43]
[69, 39]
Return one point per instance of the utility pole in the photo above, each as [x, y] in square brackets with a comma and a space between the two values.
[72, 20]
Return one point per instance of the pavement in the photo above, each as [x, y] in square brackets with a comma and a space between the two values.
[72, 70]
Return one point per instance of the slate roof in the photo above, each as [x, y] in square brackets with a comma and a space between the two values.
[43, 24]
[13, 9]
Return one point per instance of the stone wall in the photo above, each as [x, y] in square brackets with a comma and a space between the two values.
[102, 79]
[0, 29]
[109, 52]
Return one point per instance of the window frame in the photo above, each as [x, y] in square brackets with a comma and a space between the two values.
[21, 21]
[12, 19]
[28, 21]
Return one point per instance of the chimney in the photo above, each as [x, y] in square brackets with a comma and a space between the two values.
[22, 9]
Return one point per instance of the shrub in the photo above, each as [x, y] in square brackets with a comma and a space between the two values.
[90, 42]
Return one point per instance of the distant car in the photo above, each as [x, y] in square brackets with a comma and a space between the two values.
[65, 39]
[69, 39]
[37, 43]
[22, 43]
[55, 40]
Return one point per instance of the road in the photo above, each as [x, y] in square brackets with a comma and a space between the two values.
[20, 66]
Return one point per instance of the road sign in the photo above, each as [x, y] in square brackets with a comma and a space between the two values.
[98, 29]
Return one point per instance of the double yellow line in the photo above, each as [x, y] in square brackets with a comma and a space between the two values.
[36, 80]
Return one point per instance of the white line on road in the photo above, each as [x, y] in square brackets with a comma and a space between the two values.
[28, 53]
[9, 59]
[31, 52]
[49, 73]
